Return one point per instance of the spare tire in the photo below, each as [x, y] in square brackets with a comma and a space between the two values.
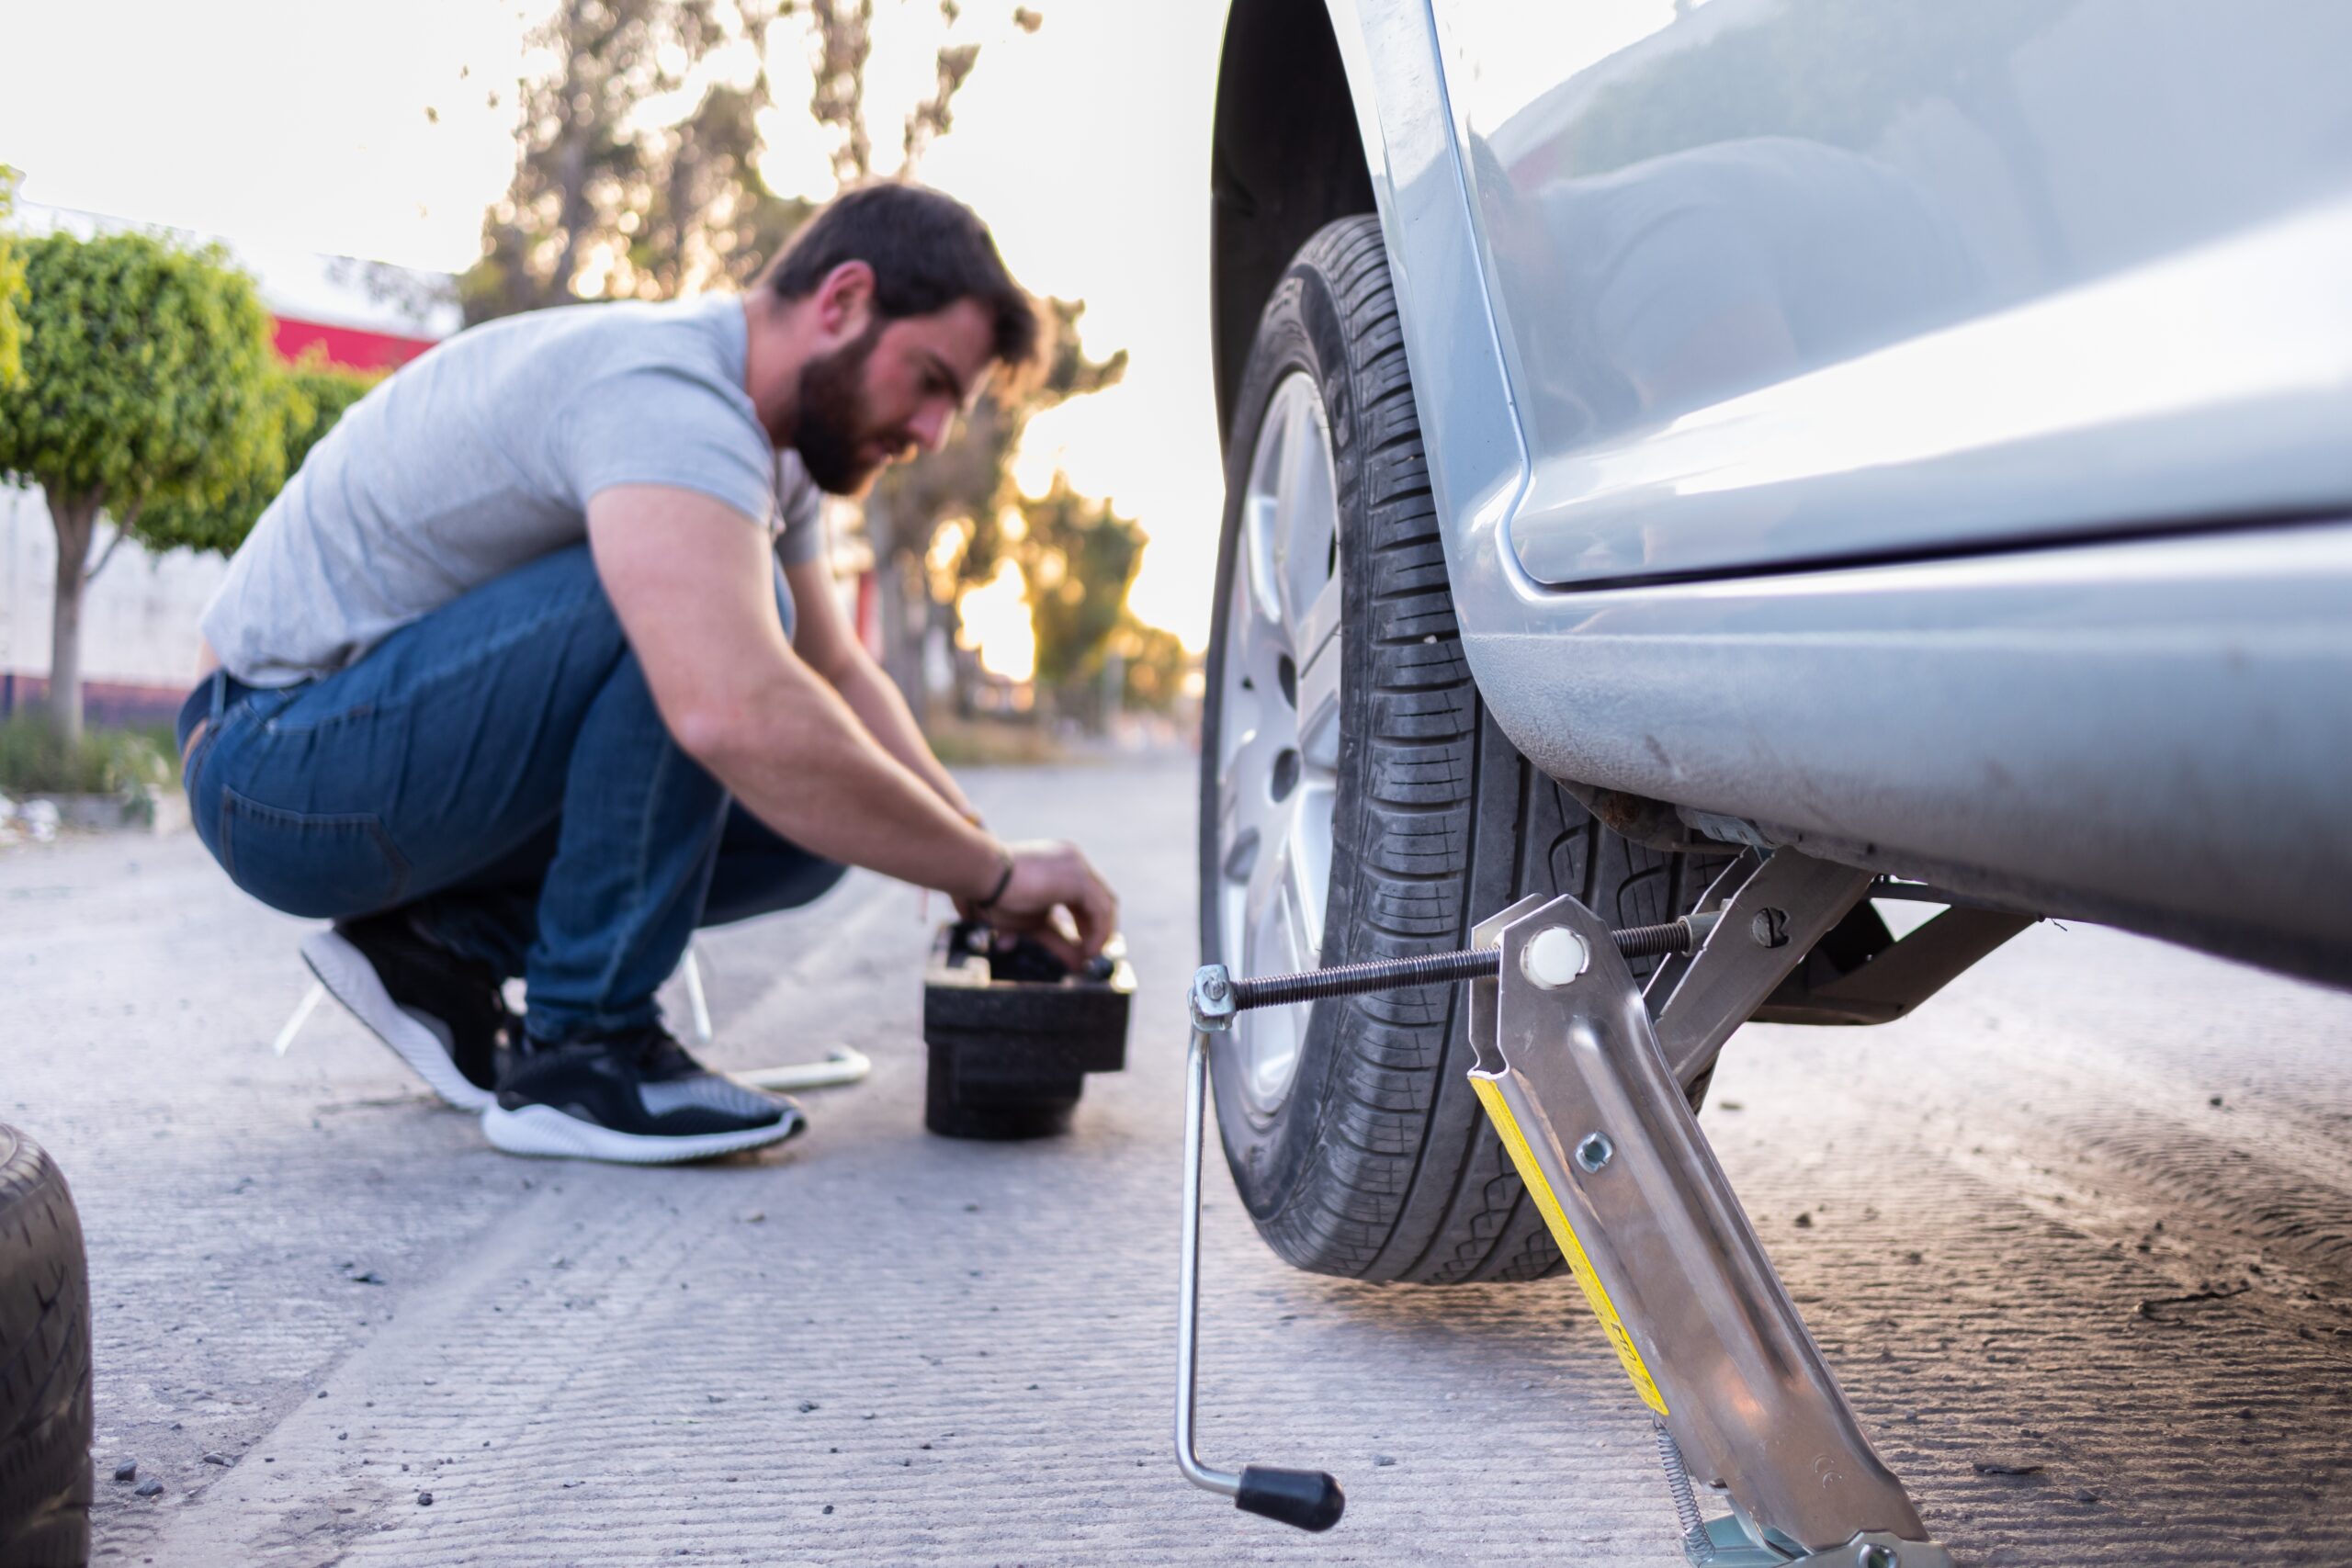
[1358, 802]
[44, 1364]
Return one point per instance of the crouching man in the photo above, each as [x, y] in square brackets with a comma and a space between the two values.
[536, 667]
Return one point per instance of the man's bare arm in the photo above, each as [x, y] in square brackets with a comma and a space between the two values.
[824, 639]
[690, 581]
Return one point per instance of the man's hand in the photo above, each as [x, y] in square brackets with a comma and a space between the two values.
[1048, 878]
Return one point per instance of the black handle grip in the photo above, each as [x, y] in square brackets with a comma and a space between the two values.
[1308, 1499]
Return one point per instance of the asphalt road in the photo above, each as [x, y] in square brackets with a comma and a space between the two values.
[2086, 1218]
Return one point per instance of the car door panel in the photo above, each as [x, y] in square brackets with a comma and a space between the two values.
[1744, 253]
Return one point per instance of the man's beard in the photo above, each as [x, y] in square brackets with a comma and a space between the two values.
[831, 432]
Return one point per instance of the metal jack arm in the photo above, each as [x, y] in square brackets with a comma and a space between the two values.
[1310, 1499]
[1598, 1121]
[1595, 1107]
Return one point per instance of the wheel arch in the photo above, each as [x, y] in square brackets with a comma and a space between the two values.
[1286, 157]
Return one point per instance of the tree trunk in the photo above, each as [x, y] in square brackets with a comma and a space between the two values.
[965, 665]
[903, 629]
[76, 521]
[901, 637]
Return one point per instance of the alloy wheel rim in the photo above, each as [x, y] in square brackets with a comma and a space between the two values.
[1278, 732]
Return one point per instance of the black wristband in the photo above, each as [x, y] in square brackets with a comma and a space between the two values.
[1003, 881]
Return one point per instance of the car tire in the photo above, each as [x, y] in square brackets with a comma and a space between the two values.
[45, 1412]
[1375, 1163]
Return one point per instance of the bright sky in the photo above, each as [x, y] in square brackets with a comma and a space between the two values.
[302, 124]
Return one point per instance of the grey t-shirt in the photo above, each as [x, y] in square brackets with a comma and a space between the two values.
[480, 456]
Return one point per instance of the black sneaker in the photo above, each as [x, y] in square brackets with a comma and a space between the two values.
[443, 1014]
[636, 1098]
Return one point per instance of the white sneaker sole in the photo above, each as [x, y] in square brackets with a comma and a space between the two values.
[545, 1132]
[344, 970]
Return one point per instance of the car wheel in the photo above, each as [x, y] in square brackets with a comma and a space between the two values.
[45, 1412]
[1357, 803]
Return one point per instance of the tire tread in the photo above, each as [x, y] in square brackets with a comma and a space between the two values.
[45, 1394]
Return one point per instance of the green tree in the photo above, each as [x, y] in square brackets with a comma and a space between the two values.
[312, 395]
[12, 287]
[148, 377]
[968, 482]
[1154, 666]
[1079, 559]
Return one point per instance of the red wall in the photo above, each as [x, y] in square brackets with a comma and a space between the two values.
[347, 346]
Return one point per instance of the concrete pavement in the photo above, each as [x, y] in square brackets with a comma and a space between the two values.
[2086, 1218]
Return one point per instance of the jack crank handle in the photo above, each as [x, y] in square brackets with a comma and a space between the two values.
[1306, 1498]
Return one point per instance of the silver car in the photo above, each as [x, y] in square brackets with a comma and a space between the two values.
[1900, 441]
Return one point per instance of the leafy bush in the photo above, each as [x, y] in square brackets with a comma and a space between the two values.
[992, 743]
[12, 288]
[35, 761]
[312, 394]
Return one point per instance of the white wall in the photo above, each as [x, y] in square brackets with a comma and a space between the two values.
[138, 619]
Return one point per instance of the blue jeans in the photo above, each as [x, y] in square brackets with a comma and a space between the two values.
[498, 771]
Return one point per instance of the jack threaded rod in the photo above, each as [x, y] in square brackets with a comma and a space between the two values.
[1435, 968]
[1354, 979]
[1655, 941]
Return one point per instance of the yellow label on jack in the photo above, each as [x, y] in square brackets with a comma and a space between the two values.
[1506, 1127]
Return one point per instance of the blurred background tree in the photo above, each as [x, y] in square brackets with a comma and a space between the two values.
[148, 379]
[637, 177]
[1154, 665]
[635, 172]
[965, 486]
[1079, 559]
[12, 287]
[312, 394]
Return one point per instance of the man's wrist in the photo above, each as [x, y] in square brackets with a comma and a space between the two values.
[1003, 880]
[982, 876]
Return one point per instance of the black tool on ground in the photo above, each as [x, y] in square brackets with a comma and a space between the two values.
[1014, 1032]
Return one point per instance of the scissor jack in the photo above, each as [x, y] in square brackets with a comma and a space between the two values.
[1591, 1088]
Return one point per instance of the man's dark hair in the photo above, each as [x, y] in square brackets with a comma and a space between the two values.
[927, 252]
